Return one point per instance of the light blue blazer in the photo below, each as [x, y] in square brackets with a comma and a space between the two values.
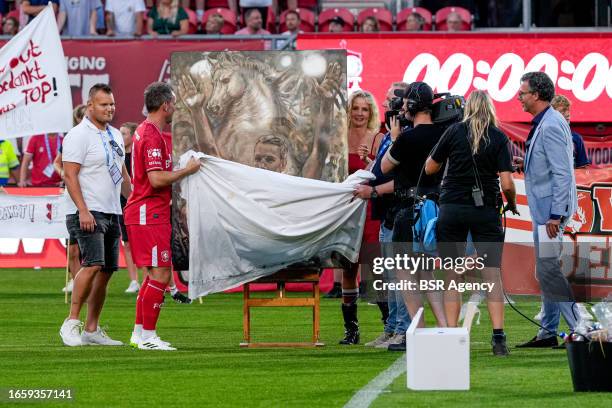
[549, 169]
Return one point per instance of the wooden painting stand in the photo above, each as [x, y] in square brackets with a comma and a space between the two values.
[280, 278]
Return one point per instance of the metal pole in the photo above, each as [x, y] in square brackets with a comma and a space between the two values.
[526, 15]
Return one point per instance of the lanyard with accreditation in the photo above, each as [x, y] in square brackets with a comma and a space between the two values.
[113, 169]
[49, 169]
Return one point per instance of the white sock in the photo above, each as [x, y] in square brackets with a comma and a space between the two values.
[173, 290]
[147, 334]
[138, 329]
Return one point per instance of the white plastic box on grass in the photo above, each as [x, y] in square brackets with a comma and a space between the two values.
[437, 358]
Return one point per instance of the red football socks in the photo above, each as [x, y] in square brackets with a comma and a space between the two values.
[139, 300]
[151, 303]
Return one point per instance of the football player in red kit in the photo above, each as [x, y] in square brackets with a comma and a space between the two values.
[147, 212]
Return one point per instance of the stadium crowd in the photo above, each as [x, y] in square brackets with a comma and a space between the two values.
[127, 18]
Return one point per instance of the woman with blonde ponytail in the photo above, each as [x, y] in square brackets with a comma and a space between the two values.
[477, 157]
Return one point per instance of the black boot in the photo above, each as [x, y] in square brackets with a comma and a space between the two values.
[335, 292]
[384, 312]
[351, 325]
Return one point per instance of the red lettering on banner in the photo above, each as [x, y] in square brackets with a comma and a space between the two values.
[7, 108]
[38, 93]
[25, 71]
[26, 77]
[49, 211]
[602, 196]
[31, 52]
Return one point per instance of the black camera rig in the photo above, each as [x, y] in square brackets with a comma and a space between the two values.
[447, 109]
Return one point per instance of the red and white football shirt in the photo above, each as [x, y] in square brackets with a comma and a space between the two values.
[150, 152]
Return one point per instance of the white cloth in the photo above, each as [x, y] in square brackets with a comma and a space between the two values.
[84, 145]
[36, 96]
[124, 13]
[245, 222]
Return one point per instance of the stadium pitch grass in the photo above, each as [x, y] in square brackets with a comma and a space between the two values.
[210, 369]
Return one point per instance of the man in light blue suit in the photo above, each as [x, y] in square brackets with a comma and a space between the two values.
[551, 194]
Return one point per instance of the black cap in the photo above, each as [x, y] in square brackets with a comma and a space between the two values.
[417, 91]
[338, 20]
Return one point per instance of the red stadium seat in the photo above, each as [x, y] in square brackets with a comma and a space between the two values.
[326, 15]
[309, 4]
[442, 15]
[211, 4]
[193, 21]
[402, 16]
[384, 17]
[229, 18]
[307, 20]
[271, 23]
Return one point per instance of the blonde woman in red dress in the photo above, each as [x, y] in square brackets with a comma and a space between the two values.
[363, 140]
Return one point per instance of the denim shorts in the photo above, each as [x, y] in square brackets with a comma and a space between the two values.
[124, 233]
[100, 247]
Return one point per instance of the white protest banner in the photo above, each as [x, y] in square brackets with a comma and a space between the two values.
[34, 89]
[32, 216]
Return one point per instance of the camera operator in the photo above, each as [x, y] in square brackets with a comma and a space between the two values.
[407, 157]
[380, 192]
[470, 202]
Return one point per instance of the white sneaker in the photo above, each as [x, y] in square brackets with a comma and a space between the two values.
[136, 339]
[68, 287]
[133, 288]
[155, 343]
[98, 338]
[70, 332]
[396, 339]
[383, 338]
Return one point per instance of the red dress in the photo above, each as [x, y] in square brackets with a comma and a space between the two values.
[372, 227]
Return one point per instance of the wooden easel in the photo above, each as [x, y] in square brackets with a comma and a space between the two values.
[299, 274]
